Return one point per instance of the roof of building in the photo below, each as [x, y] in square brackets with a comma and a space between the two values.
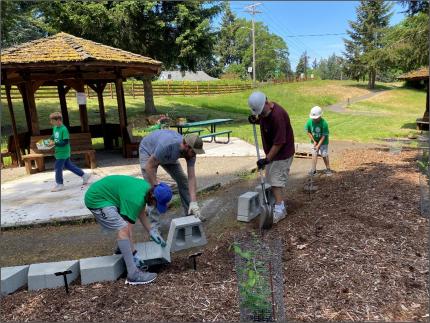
[186, 76]
[63, 47]
[419, 74]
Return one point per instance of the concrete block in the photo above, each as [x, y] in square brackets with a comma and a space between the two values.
[248, 206]
[268, 189]
[13, 278]
[42, 275]
[186, 232]
[98, 269]
[152, 253]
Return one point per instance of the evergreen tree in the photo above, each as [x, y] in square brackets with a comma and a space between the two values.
[226, 45]
[302, 65]
[363, 49]
[415, 6]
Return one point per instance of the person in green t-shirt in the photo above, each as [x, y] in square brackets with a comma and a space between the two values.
[60, 138]
[317, 130]
[117, 201]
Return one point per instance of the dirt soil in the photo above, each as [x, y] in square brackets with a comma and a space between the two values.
[357, 249]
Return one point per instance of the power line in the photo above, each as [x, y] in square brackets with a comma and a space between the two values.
[297, 41]
[315, 35]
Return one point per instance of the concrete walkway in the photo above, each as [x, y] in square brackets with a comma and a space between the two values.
[28, 200]
[341, 107]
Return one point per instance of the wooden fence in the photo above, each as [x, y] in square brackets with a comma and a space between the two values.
[135, 89]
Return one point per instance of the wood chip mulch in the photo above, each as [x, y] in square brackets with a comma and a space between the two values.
[355, 250]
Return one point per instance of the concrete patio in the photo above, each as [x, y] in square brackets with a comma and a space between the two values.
[28, 200]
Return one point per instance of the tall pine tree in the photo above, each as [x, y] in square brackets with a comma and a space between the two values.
[363, 49]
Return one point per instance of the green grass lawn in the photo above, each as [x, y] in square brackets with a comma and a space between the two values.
[389, 114]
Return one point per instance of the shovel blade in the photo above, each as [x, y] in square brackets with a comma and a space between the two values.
[266, 217]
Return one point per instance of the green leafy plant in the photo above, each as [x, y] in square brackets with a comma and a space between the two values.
[254, 289]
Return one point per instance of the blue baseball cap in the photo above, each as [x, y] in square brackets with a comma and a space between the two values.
[163, 194]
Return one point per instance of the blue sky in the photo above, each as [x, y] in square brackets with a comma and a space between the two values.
[289, 18]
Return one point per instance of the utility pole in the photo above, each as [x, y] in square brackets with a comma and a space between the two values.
[251, 10]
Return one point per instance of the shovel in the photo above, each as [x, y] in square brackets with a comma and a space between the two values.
[266, 216]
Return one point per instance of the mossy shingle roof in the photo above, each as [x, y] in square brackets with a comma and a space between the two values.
[419, 74]
[66, 48]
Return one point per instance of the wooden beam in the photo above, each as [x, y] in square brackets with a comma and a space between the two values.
[37, 84]
[21, 89]
[121, 110]
[15, 131]
[63, 104]
[99, 88]
[29, 95]
[83, 113]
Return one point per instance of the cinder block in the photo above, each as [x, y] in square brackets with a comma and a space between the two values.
[152, 253]
[98, 269]
[13, 278]
[42, 275]
[186, 232]
[268, 189]
[248, 206]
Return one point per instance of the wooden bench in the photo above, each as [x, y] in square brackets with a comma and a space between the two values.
[80, 143]
[214, 134]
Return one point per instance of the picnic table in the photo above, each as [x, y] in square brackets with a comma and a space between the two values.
[186, 128]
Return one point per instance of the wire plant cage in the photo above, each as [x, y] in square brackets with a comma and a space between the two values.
[423, 165]
[260, 279]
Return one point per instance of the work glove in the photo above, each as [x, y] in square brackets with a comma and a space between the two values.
[156, 237]
[253, 119]
[195, 210]
[261, 163]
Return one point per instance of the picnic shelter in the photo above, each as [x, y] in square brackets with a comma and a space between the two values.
[70, 62]
[421, 74]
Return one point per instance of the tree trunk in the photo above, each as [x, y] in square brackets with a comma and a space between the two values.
[149, 97]
[372, 78]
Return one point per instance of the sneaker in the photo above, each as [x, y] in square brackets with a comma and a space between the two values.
[85, 178]
[312, 173]
[328, 172]
[278, 215]
[57, 188]
[141, 278]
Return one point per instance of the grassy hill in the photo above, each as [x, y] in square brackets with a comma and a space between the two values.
[389, 114]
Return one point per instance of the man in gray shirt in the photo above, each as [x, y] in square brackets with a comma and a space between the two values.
[164, 148]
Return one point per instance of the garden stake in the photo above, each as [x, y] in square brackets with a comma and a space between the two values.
[64, 273]
[194, 256]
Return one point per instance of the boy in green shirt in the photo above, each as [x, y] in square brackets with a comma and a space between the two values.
[116, 202]
[60, 138]
[317, 130]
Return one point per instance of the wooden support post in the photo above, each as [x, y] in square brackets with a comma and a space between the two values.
[21, 88]
[63, 103]
[14, 129]
[426, 112]
[121, 109]
[31, 102]
[99, 88]
[132, 89]
[111, 92]
[83, 113]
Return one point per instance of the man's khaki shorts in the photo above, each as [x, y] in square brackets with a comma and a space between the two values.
[277, 172]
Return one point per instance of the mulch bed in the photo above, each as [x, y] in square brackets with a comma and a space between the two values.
[355, 250]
